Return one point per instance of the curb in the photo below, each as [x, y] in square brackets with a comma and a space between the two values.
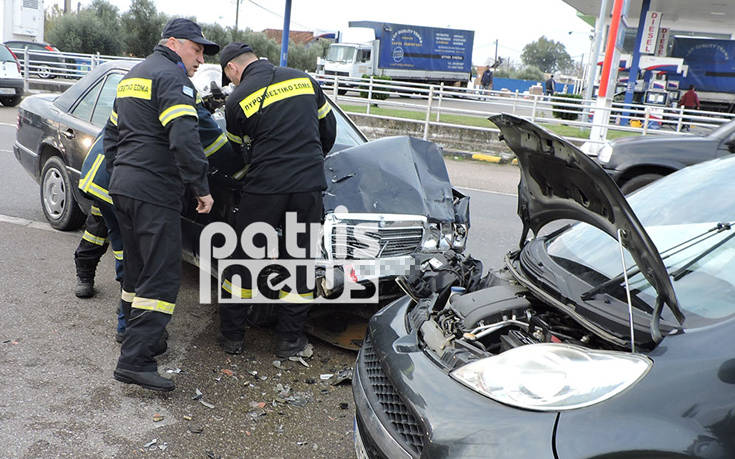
[495, 159]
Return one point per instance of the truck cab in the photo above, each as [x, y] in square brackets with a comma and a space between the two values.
[348, 60]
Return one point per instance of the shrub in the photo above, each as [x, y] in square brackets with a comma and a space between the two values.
[565, 112]
[375, 95]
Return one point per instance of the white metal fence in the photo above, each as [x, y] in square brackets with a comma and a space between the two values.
[429, 105]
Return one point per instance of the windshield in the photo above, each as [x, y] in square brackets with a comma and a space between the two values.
[5, 55]
[344, 54]
[673, 210]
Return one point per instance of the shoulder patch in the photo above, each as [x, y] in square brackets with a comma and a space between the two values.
[187, 90]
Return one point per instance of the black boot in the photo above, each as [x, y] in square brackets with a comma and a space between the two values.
[146, 379]
[84, 288]
[292, 347]
[229, 346]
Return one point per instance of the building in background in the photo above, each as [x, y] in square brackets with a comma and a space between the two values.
[21, 20]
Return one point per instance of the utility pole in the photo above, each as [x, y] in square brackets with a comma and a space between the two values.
[67, 6]
[237, 15]
[496, 52]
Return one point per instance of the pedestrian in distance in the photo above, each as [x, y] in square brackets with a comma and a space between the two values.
[690, 101]
[284, 123]
[487, 80]
[550, 86]
[154, 151]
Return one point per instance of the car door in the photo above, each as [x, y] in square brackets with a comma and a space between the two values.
[727, 146]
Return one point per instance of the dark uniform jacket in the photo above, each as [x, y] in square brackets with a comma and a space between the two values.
[151, 137]
[289, 137]
[95, 181]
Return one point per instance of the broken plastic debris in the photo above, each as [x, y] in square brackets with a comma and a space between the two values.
[302, 443]
[227, 372]
[298, 399]
[260, 405]
[150, 443]
[163, 446]
[253, 373]
[277, 363]
[325, 376]
[196, 429]
[157, 418]
[340, 179]
[343, 377]
[207, 404]
[174, 370]
[299, 359]
[198, 395]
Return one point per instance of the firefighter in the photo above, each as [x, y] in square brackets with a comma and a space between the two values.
[286, 120]
[154, 152]
[95, 183]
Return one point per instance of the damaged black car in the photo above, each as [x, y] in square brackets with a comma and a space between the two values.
[611, 336]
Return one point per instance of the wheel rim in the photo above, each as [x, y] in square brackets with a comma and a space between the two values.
[54, 193]
[44, 71]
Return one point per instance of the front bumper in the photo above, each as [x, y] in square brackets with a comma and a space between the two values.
[408, 406]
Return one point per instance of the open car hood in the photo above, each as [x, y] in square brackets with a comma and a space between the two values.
[558, 181]
[393, 175]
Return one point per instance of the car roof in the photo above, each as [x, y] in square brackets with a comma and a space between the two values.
[67, 99]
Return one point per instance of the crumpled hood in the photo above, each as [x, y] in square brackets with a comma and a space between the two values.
[393, 175]
[558, 181]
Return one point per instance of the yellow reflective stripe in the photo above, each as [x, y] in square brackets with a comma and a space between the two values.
[324, 110]
[176, 111]
[140, 88]
[94, 210]
[241, 173]
[243, 293]
[276, 92]
[291, 297]
[113, 118]
[153, 305]
[127, 296]
[89, 237]
[198, 99]
[118, 254]
[95, 165]
[215, 146]
[234, 138]
[99, 192]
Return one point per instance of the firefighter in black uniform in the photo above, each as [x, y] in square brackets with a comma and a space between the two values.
[286, 119]
[154, 152]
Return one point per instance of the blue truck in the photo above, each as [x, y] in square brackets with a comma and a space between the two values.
[404, 52]
[711, 65]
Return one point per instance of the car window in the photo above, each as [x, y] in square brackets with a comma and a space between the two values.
[673, 210]
[5, 55]
[346, 133]
[84, 107]
[107, 97]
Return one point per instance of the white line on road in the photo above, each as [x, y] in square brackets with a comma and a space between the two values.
[8, 124]
[487, 191]
[31, 224]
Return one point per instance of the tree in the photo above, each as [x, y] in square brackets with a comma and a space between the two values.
[83, 33]
[547, 55]
[142, 24]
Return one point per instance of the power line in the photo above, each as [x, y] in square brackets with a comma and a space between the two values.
[279, 15]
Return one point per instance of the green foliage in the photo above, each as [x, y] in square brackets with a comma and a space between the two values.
[143, 25]
[568, 113]
[529, 72]
[547, 55]
[83, 33]
[304, 57]
[376, 95]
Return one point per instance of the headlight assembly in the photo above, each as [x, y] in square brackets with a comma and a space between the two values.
[553, 377]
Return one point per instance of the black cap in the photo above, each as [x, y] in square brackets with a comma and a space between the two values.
[189, 30]
[230, 52]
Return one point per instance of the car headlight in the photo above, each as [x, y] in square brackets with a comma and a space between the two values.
[460, 237]
[605, 153]
[553, 377]
[432, 236]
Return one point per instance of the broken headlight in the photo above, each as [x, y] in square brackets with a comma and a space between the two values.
[553, 377]
[438, 236]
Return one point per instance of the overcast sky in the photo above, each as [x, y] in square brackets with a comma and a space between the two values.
[514, 23]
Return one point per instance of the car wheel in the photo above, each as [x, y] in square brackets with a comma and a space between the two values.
[638, 181]
[10, 101]
[57, 198]
[44, 71]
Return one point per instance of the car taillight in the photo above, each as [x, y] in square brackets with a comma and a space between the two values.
[49, 48]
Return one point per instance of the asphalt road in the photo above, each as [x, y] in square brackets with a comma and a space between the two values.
[57, 352]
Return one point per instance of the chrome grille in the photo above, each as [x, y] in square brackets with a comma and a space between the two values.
[402, 420]
[389, 242]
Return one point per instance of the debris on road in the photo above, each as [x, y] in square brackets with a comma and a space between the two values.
[300, 360]
[174, 370]
[163, 446]
[227, 372]
[207, 404]
[198, 395]
[277, 364]
[157, 417]
[343, 377]
[196, 429]
[187, 418]
[344, 405]
[298, 399]
[326, 376]
[150, 443]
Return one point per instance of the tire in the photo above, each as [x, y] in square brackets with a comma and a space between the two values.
[57, 198]
[45, 72]
[341, 92]
[10, 101]
[638, 181]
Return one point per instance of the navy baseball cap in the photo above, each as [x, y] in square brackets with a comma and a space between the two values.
[230, 52]
[189, 30]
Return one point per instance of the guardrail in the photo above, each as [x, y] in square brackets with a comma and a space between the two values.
[434, 101]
